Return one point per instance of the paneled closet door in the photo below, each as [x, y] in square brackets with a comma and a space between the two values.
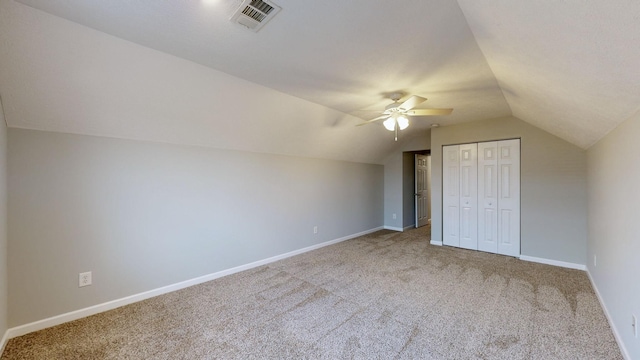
[509, 197]
[488, 196]
[469, 196]
[451, 195]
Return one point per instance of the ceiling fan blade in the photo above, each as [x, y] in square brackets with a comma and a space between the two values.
[429, 112]
[412, 102]
[372, 120]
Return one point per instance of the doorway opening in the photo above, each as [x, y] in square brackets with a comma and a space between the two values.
[416, 188]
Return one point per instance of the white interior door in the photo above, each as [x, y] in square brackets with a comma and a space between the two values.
[451, 195]
[429, 193]
[422, 199]
[487, 196]
[509, 197]
[469, 196]
[481, 196]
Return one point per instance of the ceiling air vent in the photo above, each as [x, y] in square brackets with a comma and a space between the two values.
[254, 14]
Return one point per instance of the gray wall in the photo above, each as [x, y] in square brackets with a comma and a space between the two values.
[614, 226]
[393, 179]
[144, 215]
[553, 186]
[393, 191]
[3, 224]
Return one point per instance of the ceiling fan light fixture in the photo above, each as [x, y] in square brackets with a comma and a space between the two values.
[390, 124]
[403, 122]
[395, 116]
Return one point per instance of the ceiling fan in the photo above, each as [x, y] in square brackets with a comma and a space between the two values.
[396, 115]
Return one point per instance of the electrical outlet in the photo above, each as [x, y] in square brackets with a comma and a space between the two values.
[595, 263]
[394, 216]
[634, 325]
[84, 279]
[315, 229]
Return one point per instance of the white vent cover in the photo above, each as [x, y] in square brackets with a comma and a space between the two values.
[254, 14]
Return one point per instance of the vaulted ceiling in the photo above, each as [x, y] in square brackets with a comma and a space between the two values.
[180, 72]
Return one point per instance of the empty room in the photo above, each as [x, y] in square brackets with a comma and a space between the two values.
[258, 179]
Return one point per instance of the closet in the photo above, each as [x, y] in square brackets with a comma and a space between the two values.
[481, 196]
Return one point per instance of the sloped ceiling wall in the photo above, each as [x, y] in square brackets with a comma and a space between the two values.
[299, 86]
[60, 76]
[335, 57]
[568, 67]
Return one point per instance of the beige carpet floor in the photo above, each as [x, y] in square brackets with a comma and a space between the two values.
[386, 295]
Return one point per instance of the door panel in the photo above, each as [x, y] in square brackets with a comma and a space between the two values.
[469, 196]
[509, 198]
[481, 196]
[422, 202]
[505, 224]
[487, 196]
[450, 195]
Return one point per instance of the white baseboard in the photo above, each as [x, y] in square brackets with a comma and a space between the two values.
[436, 242]
[3, 342]
[393, 228]
[616, 334]
[109, 305]
[554, 262]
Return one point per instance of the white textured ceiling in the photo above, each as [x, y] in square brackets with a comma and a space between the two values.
[570, 67]
[565, 66]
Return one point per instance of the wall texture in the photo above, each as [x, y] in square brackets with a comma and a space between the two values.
[144, 215]
[393, 191]
[3, 225]
[614, 226]
[553, 186]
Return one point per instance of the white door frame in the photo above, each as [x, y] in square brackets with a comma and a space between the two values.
[421, 190]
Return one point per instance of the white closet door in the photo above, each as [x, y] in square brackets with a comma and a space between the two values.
[469, 196]
[487, 196]
[451, 195]
[509, 197]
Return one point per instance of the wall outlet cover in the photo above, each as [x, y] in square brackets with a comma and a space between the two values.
[84, 279]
